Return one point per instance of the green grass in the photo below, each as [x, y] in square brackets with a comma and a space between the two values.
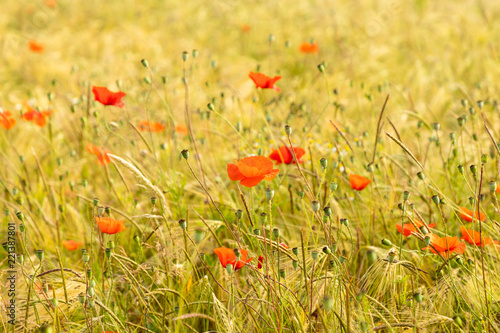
[434, 59]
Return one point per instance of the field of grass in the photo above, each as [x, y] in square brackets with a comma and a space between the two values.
[164, 208]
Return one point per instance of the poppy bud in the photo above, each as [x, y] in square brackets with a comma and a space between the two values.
[263, 218]
[372, 256]
[427, 240]
[100, 210]
[91, 303]
[406, 195]
[21, 227]
[424, 230]
[321, 67]
[145, 63]
[89, 273]
[163, 146]
[85, 256]
[108, 252]
[301, 194]
[327, 210]
[183, 224]
[295, 251]
[484, 158]
[459, 261]
[39, 254]
[442, 201]
[315, 206]
[239, 214]
[282, 273]
[295, 264]
[326, 250]
[344, 222]
[435, 199]
[386, 242]
[20, 258]
[474, 136]
[342, 259]
[95, 202]
[460, 121]
[210, 106]
[256, 232]
[333, 186]
[237, 253]
[276, 232]
[137, 239]
[81, 298]
[461, 169]
[269, 193]
[185, 56]
[323, 162]
[471, 201]
[185, 153]
[480, 104]
[271, 38]
[230, 269]
[327, 303]
[314, 254]
[418, 297]
[436, 126]
[195, 53]
[20, 215]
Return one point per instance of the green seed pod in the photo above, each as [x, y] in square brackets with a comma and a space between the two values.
[271, 38]
[391, 257]
[461, 121]
[492, 185]
[288, 130]
[321, 67]
[100, 210]
[371, 256]
[315, 206]
[230, 269]
[239, 214]
[153, 201]
[418, 297]
[442, 201]
[256, 232]
[484, 158]
[436, 126]
[295, 264]
[474, 136]
[20, 216]
[20, 258]
[195, 53]
[263, 218]
[435, 199]
[301, 194]
[386, 242]
[145, 63]
[108, 252]
[344, 222]
[324, 163]
[282, 273]
[276, 232]
[327, 210]
[421, 175]
[40, 254]
[471, 201]
[424, 230]
[326, 250]
[95, 202]
[85, 257]
[81, 298]
[91, 302]
[185, 153]
[163, 146]
[333, 186]
[22, 227]
[314, 254]
[427, 240]
[328, 303]
[185, 56]
[182, 224]
[342, 259]
[480, 104]
[461, 169]
[452, 136]
[406, 195]
[89, 273]
[269, 193]
[459, 261]
[198, 236]
[137, 239]
[295, 251]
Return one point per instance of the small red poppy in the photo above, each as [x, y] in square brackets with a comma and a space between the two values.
[358, 183]
[106, 97]
[38, 117]
[71, 245]
[309, 48]
[252, 170]
[227, 256]
[35, 46]
[110, 226]
[263, 81]
[284, 155]
[467, 214]
[409, 229]
[150, 126]
[6, 120]
[100, 153]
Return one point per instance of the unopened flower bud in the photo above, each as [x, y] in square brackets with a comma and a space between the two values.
[295, 251]
[327, 210]
[269, 193]
[276, 232]
[185, 153]
[145, 63]
[386, 242]
[185, 56]
[315, 206]
[182, 224]
[40, 254]
[435, 199]
[473, 169]
[314, 254]
[418, 297]
[288, 130]
[230, 268]
[333, 186]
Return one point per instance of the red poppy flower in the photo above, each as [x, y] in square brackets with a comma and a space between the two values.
[106, 97]
[409, 229]
[38, 117]
[6, 120]
[358, 183]
[474, 238]
[284, 155]
[109, 226]
[284, 245]
[263, 81]
[227, 256]
[51, 3]
[309, 48]
[466, 214]
[100, 153]
[245, 28]
[252, 170]
[71, 245]
[261, 261]
[181, 129]
[150, 126]
[35, 46]
[445, 246]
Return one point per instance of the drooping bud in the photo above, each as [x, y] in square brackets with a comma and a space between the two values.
[145, 63]
[185, 153]
[386, 242]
